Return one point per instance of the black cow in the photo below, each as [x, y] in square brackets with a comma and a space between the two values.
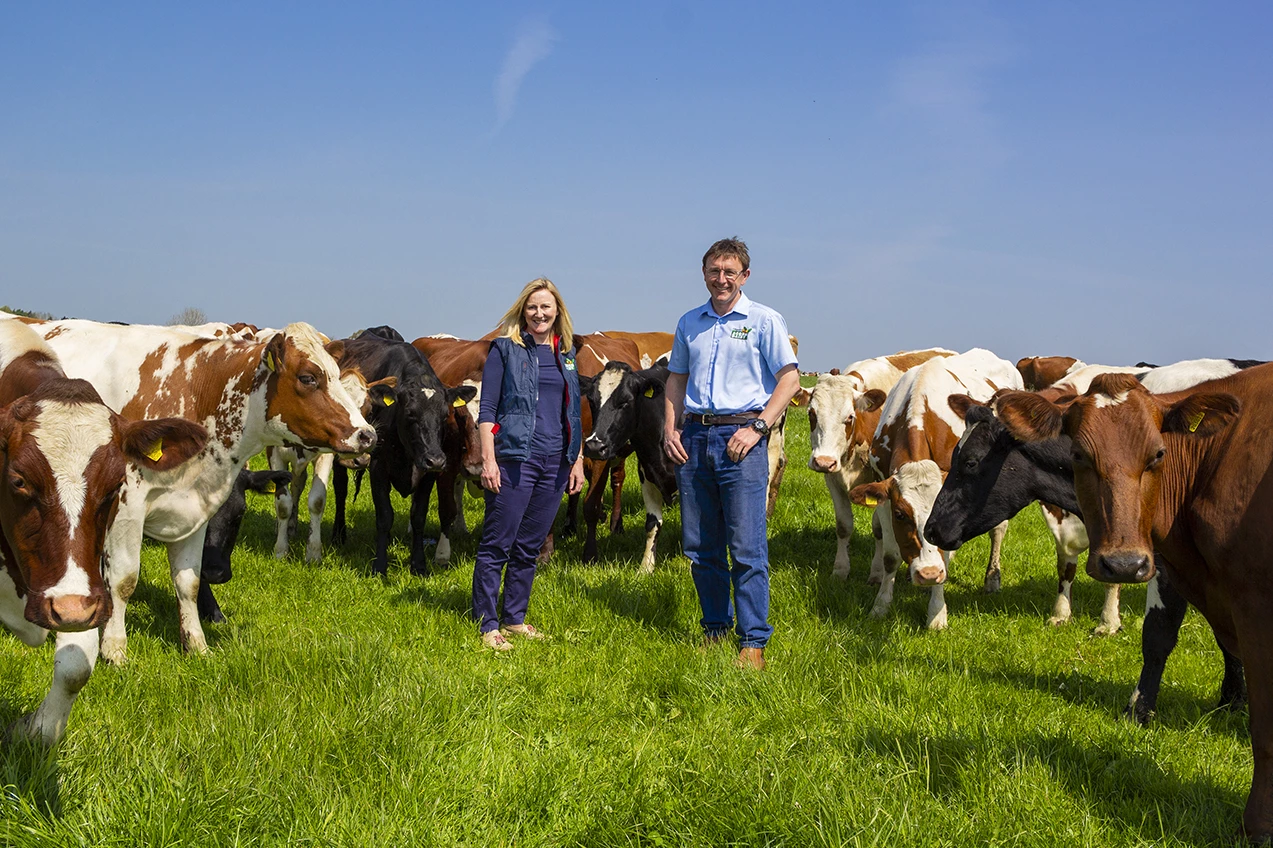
[410, 433]
[628, 413]
[993, 477]
[223, 531]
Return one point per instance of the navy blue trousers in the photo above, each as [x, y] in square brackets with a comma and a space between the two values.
[517, 522]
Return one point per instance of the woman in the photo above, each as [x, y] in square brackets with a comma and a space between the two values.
[531, 452]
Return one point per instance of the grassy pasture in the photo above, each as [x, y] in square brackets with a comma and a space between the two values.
[339, 709]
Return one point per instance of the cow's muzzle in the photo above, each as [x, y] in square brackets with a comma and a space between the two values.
[1121, 567]
[69, 613]
[824, 464]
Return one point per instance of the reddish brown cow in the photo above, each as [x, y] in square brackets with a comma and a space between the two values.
[651, 346]
[1184, 475]
[1039, 372]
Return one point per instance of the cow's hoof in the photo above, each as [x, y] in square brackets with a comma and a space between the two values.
[992, 584]
[1058, 620]
[194, 643]
[874, 579]
[113, 650]
[878, 612]
[280, 553]
[313, 553]
[646, 568]
[215, 617]
[841, 573]
[1106, 629]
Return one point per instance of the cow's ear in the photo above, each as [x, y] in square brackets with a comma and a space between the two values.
[960, 404]
[6, 426]
[650, 387]
[869, 494]
[1201, 415]
[267, 482]
[460, 395]
[273, 356]
[381, 394]
[336, 349]
[162, 444]
[801, 397]
[586, 384]
[1029, 417]
[871, 400]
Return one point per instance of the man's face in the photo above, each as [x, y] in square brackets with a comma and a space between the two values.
[725, 277]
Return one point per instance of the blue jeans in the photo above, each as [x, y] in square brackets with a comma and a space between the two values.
[723, 506]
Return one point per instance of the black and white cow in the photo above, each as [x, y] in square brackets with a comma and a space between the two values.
[410, 438]
[223, 532]
[627, 411]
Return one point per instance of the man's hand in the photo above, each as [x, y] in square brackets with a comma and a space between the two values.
[741, 443]
[673, 448]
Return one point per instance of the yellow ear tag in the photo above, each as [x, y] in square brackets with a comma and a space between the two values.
[269, 488]
[457, 403]
[269, 360]
[389, 400]
[870, 500]
[649, 392]
[156, 453]
[1195, 420]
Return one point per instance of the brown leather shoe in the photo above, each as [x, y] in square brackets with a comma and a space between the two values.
[751, 658]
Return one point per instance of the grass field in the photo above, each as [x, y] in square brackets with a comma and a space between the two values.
[336, 708]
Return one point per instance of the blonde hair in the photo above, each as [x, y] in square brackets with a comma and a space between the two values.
[512, 325]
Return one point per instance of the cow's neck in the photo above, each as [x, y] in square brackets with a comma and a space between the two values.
[1052, 472]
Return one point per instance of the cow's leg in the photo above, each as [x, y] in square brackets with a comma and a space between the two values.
[446, 517]
[596, 472]
[73, 663]
[1233, 695]
[460, 526]
[843, 523]
[419, 514]
[936, 616]
[653, 523]
[123, 567]
[1254, 635]
[209, 609]
[994, 577]
[185, 559]
[1111, 620]
[1164, 613]
[318, 505]
[13, 611]
[619, 473]
[380, 499]
[889, 556]
[876, 575]
[1066, 568]
[571, 524]
[340, 490]
[297, 489]
[777, 449]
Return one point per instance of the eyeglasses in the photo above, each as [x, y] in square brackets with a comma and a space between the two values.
[730, 273]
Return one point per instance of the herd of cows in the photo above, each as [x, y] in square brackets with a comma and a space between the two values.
[111, 432]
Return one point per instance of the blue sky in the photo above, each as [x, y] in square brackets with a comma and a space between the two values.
[1091, 179]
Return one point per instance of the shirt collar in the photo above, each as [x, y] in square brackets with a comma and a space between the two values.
[741, 307]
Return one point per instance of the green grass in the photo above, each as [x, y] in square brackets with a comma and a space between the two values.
[336, 708]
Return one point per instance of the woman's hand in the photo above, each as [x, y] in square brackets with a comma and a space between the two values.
[575, 484]
[490, 475]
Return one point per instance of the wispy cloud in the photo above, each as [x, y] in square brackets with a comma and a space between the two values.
[534, 42]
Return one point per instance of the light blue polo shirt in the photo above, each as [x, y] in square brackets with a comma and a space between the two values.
[732, 360]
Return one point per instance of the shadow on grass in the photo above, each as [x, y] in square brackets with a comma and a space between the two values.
[651, 602]
[1126, 790]
[448, 597]
[29, 773]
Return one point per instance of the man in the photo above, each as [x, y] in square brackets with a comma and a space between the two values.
[733, 372]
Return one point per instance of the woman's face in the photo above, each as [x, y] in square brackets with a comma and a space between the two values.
[540, 313]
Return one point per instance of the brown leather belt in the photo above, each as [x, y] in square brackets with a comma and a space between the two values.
[709, 419]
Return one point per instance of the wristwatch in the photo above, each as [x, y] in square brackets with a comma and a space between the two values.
[758, 424]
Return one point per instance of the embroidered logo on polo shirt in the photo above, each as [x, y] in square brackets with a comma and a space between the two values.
[569, 363]
[740, 333]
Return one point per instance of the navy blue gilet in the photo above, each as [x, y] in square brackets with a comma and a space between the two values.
[519, 397]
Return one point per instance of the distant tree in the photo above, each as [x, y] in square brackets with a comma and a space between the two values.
[13, 310]
[189, 316]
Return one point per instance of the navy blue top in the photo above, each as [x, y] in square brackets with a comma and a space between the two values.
[550, 410]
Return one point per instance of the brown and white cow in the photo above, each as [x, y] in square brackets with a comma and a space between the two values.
[1186, 475]
[911, 451]
[248, 395]
[1039, 372]
[842, 422]
[63, 459]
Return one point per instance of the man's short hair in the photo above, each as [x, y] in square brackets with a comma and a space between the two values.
[734, 247]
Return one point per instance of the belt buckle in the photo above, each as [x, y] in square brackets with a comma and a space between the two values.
[708, 419]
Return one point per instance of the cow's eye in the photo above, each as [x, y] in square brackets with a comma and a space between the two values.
[308, 380]
[19, 485]
[1156, 459]
[970, 464]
